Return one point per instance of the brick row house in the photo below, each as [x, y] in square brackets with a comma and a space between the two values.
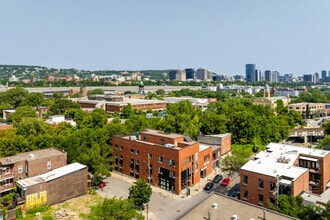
[170, 161]
[284, 169]
[220, 143]
[28, 164]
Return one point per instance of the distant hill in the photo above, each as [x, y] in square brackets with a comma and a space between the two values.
[27, 72]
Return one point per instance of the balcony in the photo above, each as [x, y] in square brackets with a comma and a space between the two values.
[6, 187]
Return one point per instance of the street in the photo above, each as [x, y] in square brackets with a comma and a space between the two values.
[163, 205]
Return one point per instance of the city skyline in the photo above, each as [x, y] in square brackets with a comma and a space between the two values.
[288, 37]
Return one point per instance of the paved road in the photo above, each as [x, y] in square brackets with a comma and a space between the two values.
[163, 205]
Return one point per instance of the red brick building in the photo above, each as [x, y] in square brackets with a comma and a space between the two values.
[284, 169]
[28, 164]
[170, 161]
[220, 143]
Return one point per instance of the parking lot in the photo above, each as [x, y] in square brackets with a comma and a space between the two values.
[163, 204]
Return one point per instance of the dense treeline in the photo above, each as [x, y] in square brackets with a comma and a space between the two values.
[90, 141]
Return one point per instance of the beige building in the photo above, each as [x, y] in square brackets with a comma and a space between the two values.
[314, 108]
[272, 101]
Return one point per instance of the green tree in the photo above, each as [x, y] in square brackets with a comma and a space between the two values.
[16, 96]
[22, 112]
[31, 126]
[140, 193]
[95, 92]
[114, 209]
[127, 110]
[160, 92]
[232, 164]
[34, 99]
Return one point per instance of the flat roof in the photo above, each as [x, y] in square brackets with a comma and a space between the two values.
[205, 146]
[125, 101]
[218, 135]
[217, 206]
[278, 159]
[162, 134]
[31, 155]
[49, 176]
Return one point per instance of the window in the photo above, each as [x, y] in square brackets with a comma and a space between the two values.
[132, 151]
[206, 157]
[172, 163]
[261, 183]
[7, 181]
[162, 141]
[137, 152]
[49, 165]
[272, 186]
[245, 194]
[261, 199]
[116, 146]
[20, 169]
[144, 138]
[150, 156]
[121, 148]
[245, 179]
[7, 169]
[160, 159]
[171, 174]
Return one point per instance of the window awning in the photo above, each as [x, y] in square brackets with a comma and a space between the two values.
[308, 158]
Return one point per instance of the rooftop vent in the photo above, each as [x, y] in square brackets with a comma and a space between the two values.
[169, 145]
[283, 160]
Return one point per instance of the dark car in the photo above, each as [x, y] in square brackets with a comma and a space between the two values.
[209, 186]
[225, 181]
[236, 194]
[217, 178]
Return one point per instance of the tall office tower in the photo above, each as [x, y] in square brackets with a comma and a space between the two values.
[172, 75]
[275, 76]
[250, 72]
[190, 73]
[180, 75]
[308, 78]
[288, 77]
[316, 77]
[202, 74]
[259, 75]
[268, 76]
[323, 74]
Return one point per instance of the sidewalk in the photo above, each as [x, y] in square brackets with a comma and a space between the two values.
[183, 196]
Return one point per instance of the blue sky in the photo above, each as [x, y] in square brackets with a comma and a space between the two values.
[290, 36]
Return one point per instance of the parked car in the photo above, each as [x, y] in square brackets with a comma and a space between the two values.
[209, 186]
[217, 178]
[236, 194]
[225, 181]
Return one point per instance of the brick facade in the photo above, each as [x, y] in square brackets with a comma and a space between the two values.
[284, 169]
[53, 187]
[175, 162]
[29, 164]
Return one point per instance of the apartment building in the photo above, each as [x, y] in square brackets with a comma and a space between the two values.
[284, 169]
[220, 143]
[170, 161]
[313, 108]
[28, 164]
